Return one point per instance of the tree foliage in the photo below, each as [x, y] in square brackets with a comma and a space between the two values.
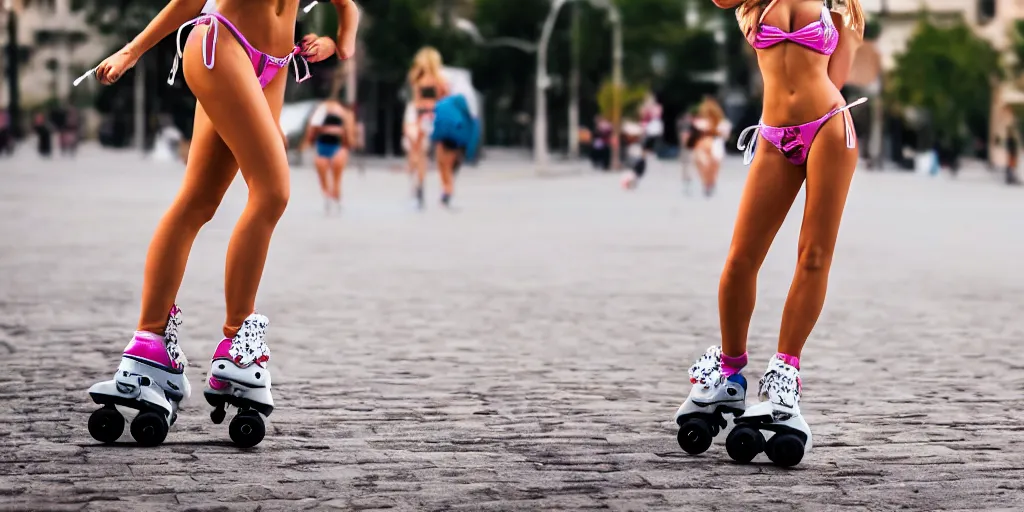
[949, 73]
[630, 96]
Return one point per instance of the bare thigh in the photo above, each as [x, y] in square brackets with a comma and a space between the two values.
[772, 185]
[244, 115]
[339, 161]
[830, 168]
[322, 165]
[210, 167]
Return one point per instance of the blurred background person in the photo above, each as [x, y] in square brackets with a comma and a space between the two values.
[456, 136]
[6, 139]
[428, 87]
[1012, 153]
[44, 135]
[684, 127]
[601, 144]
[636, 161]
[652, 124]
[332, 131]
[710, 129]
[70, 132]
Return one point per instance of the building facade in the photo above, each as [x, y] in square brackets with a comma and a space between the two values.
[57, 45]
[991, 19]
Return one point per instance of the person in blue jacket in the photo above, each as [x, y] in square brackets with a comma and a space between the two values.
[456, 135]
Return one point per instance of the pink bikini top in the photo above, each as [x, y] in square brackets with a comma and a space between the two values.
[820, 36]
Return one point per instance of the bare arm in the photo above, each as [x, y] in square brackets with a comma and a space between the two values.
[850, 39]
[348, 26]
[172, 16]
[350, 129]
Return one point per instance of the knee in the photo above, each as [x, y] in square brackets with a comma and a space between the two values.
[195, 210]
[813, 257]
[740, 266]
[271, 202]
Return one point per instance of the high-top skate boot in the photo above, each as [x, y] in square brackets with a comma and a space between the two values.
[239, 377]
[779, 413]
[700, 417]
[150, 379]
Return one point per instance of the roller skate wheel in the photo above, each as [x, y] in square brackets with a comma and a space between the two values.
[744, 443]
[149, 429]
[785, 450]
[694, 436]
[217, 415]
[106, 425]
[247, 429]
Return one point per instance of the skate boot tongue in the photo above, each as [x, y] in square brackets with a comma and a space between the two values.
[781, 387]
[249, 345]
[707, 371]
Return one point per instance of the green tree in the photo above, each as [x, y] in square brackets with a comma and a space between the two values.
[630, 96]
[948, 72]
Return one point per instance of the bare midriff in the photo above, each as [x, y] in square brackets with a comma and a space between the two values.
[269, 25]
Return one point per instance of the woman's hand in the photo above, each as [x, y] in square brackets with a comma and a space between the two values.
[114, 67]
[316, 49]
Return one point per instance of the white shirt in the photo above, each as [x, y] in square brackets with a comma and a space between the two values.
[317, 119]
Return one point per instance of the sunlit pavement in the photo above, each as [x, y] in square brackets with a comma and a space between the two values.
[526, 351]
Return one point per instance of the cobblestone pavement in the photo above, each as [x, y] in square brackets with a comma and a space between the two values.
[526, 352]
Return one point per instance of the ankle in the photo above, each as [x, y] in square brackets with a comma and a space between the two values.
[732, 365]
[143, 335]
[791, 360]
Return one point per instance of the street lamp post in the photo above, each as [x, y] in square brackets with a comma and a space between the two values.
[540, 122]
[13, 96]
[616, 21]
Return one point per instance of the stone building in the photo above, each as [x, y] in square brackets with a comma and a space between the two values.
[56, 45]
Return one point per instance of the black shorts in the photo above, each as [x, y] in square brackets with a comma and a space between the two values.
[451, 144]
[650, 142]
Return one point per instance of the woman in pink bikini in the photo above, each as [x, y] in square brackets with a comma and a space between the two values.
[805, 50]
[235, 62]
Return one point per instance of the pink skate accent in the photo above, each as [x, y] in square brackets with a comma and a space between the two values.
[150, 347]
[223, 350]
[732, 365]
[788, 359]
[217, 384]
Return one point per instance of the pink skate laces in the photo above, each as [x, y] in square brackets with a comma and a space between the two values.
[250, 345]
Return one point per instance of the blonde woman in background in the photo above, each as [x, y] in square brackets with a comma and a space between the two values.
[710, 130]
[428, 86]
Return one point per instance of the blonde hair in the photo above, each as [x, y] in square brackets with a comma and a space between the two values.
[427, 61]
[710, 109]
[850, 11]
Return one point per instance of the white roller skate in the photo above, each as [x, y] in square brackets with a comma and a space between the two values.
[151, 379]
[239, 377]
[700, 417]
[778, 413]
